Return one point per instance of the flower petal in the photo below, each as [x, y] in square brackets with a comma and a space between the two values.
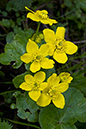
[65, 77]
[29, 79]
[31, 47]
[62, 87]
[44, 49]
[71, 48]
[35, 66]
[25, 86]
[60, 57]
[47, 63]
[69, 79]
[34, 95]
[39, 76]
[51, 21]
[44, 100]
[48, 21]
[51, 49]
[60, 33]
[59, 102]
[43, 86]
[49, 35]
[33, 17]
[26, 58]
[53, 79]
[43, 11]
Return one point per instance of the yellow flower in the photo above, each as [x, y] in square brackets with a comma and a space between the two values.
[65, 77]
[59, 47]
[37, 56]
[40, 16]
[34, 85]
[53, 92]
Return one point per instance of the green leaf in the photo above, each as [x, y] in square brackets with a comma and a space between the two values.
[83, 4]
[21, 113]
[51, 117]
[5, 125]
[68, 3]
[5, 23]
[9, 37]
[19, 79]
[12, 53]
[18, 4]
[27, 108]
[79, 82]
[16, 48]
[32, 117]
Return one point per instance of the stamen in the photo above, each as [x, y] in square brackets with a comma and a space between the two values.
[36, 86]
[53, 92]
[42, 14]
[60, 45]
[37, 57]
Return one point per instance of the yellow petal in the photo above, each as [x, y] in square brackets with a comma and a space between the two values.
[43, 11]
[53, 79]
[60, 57]
[71, 48]
[44, 49]
[65, 77]
[51, 21]
[33, 16]
[47, 63]
[34, 95]
[25, 86]
[44, 100]
[35, 66]
[43, 86]
[60, 33]
[29, 9]
[49, 35]
[48, 21]
[64, 74]
[51, 49]
[70, 79]
[26, 58]
[59, 102]
[62, 87]
[29, 79]
[31, 47]
[39, 76]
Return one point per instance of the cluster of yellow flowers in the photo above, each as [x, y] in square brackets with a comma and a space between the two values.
[57, 47]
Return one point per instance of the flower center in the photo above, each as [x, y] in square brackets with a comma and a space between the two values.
[60, 45]
[37, 57]
[42, 15]
[53, 92]
[36, 86]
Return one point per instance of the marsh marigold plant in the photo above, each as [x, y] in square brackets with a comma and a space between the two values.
[34, 84]
[59, 47]
[37, 57]
[53, 92]
[43, 93]
[40, 16]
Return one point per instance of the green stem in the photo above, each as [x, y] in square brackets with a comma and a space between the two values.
[21, 123]
[6, 83]
[37, 30]
[8, 92]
